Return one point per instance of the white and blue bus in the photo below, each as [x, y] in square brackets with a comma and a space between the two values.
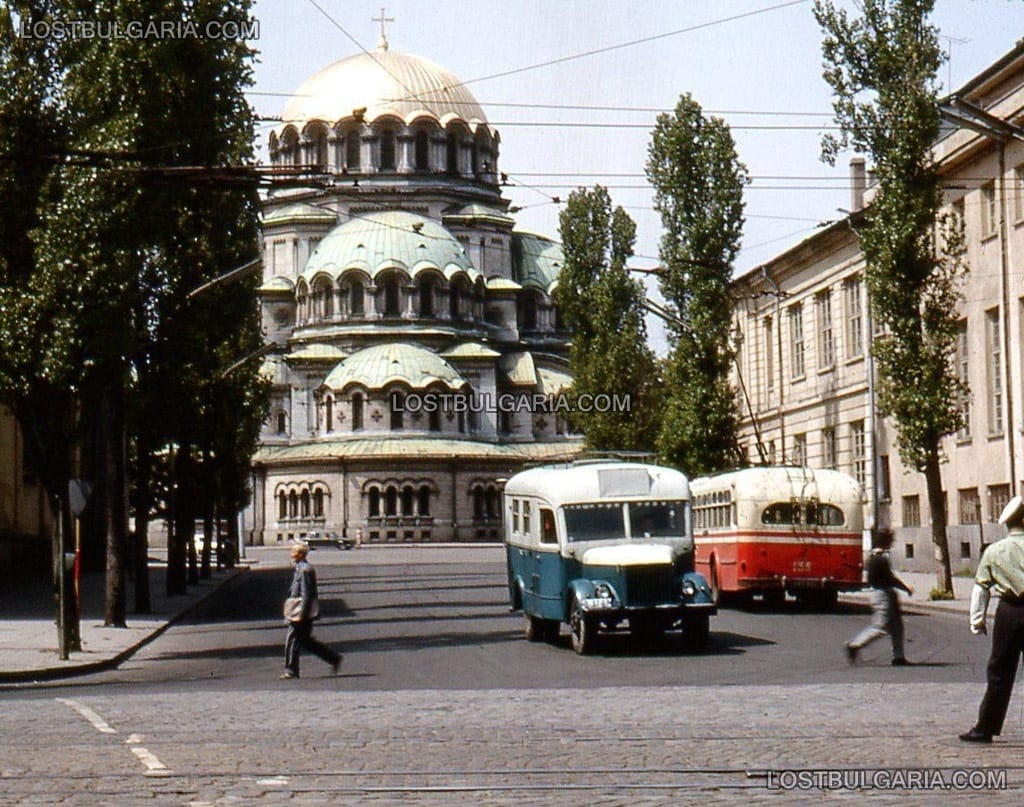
[595, 544]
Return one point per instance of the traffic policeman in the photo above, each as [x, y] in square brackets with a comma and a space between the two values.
[1001, 569]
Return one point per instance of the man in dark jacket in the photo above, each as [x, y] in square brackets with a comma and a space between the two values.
[300, 624]
[885, 604]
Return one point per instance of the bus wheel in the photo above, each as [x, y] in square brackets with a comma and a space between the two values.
[583, 630]
[533, 628]
[696, 630]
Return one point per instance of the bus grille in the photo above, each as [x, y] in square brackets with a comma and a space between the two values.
[648, 586]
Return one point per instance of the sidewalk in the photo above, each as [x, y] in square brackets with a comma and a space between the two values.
[29, 643]
[923, 583]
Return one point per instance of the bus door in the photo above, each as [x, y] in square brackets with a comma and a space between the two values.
[546, 584]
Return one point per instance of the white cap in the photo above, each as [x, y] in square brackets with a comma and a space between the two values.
[1014, 511]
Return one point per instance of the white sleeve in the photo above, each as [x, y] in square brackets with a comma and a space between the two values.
[979, 605]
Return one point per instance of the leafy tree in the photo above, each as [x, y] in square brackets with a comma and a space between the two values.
[698, 184]
[602, 305]
[882, 68]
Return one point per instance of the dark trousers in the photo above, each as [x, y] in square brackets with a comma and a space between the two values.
[1007, 645]
[300, 635]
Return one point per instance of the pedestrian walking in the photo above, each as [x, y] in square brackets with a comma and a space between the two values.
[300, 609]
[1001, 569]
[885, 604]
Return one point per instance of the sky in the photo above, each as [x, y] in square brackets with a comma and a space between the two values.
[755, 63]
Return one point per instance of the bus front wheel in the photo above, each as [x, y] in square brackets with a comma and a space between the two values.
[583, 629]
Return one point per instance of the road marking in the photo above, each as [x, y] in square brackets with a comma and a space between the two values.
[154, 767]
[98, 722]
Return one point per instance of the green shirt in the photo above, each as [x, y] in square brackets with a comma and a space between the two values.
[1002, 565]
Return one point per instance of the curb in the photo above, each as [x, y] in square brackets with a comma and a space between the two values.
[87, 668]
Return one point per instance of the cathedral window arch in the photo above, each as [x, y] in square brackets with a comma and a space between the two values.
[421, 150]
[391, 290]
[396, 400]
[329, 413]
[290, 153]
[388, 150]
[373, 502]
[273, 146]
[282, 505]
[452, 153]
[427, 293]
[304, 502]
[408, 500]
[318, 503]
[391, 501]
[529, 308]
[434, 419]
[316, 135]
[424, 500]
[282, 422]
[293, 505]
[353, 150]
[357, 411]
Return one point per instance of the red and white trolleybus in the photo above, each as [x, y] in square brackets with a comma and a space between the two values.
[770, 530]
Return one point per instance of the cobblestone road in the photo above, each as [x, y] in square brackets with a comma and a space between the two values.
[608, 746]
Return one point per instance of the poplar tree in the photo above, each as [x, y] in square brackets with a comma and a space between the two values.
[698, 190]
[602, 306]
[882, 67]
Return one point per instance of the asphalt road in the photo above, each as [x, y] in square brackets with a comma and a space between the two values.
[442, 701]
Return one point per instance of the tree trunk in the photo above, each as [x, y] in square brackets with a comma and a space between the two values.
[115, 502]
[143, 502]
[184, 522]
[937, 508]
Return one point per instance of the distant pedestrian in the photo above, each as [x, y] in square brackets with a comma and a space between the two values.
[301, 608]
[1001, 568]
[885, 604]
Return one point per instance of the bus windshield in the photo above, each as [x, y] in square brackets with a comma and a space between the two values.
[605, 521]
[657, 519]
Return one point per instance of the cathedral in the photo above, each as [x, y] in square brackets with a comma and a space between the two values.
[419, 355]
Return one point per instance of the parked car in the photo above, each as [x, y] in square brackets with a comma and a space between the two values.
[330, 538]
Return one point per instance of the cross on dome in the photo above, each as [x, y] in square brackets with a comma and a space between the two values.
[382, 43]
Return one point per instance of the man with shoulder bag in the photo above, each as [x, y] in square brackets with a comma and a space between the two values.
[300, 609]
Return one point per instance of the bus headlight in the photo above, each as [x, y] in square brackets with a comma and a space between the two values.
[689, 589]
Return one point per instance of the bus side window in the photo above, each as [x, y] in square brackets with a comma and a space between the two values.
[548, 535]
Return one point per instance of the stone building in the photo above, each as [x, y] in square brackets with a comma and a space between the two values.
[25, 520]
[804, 331]
[418, 343]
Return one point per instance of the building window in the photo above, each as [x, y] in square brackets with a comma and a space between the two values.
[304, 502]
[422, 150]
[374, 503]
[353, 147]
[799, 449]
[854, 318]
[858, 446]
[408, 500]
[391, 501]
[434, 418]
[452, 154]
[828, 447]
[769, 358]
[989, 211]
[911, 511]
[970, 506]
[293, 505]
[998, 498]
[282, 505]
[357, 412]
[424, 500]
[908, 551]
[397, 411]
[387, 150]
[355, 300]
[796, 341]
[282, 423]
[994, 348]
[826, 339]
[318, 504]
[392, 297]
[1018, 193]
[426, 298]
[965, 550]
[962, 372]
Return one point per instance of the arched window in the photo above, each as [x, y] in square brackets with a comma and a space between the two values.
[455, 303]
[492, 502]
[391, 501]
[353, 147]
[426, 298]
[319, 138]
[329, 413]
[424, 501]
[355, 300]
[392, 298]
[326, 301]
[408, 500]
[528, 312]
[374, 503]
[452, 154]
[304, 503]
[293, 505]
[397, 401]
[282, 505]
[422, 150]
[357, 412]
[387, 150]
[434, 419]
[478, 504]
[318, 504]
[282, 422]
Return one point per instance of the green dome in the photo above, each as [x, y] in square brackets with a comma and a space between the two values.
[536, 261]
[397, 362]
[388, 239]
